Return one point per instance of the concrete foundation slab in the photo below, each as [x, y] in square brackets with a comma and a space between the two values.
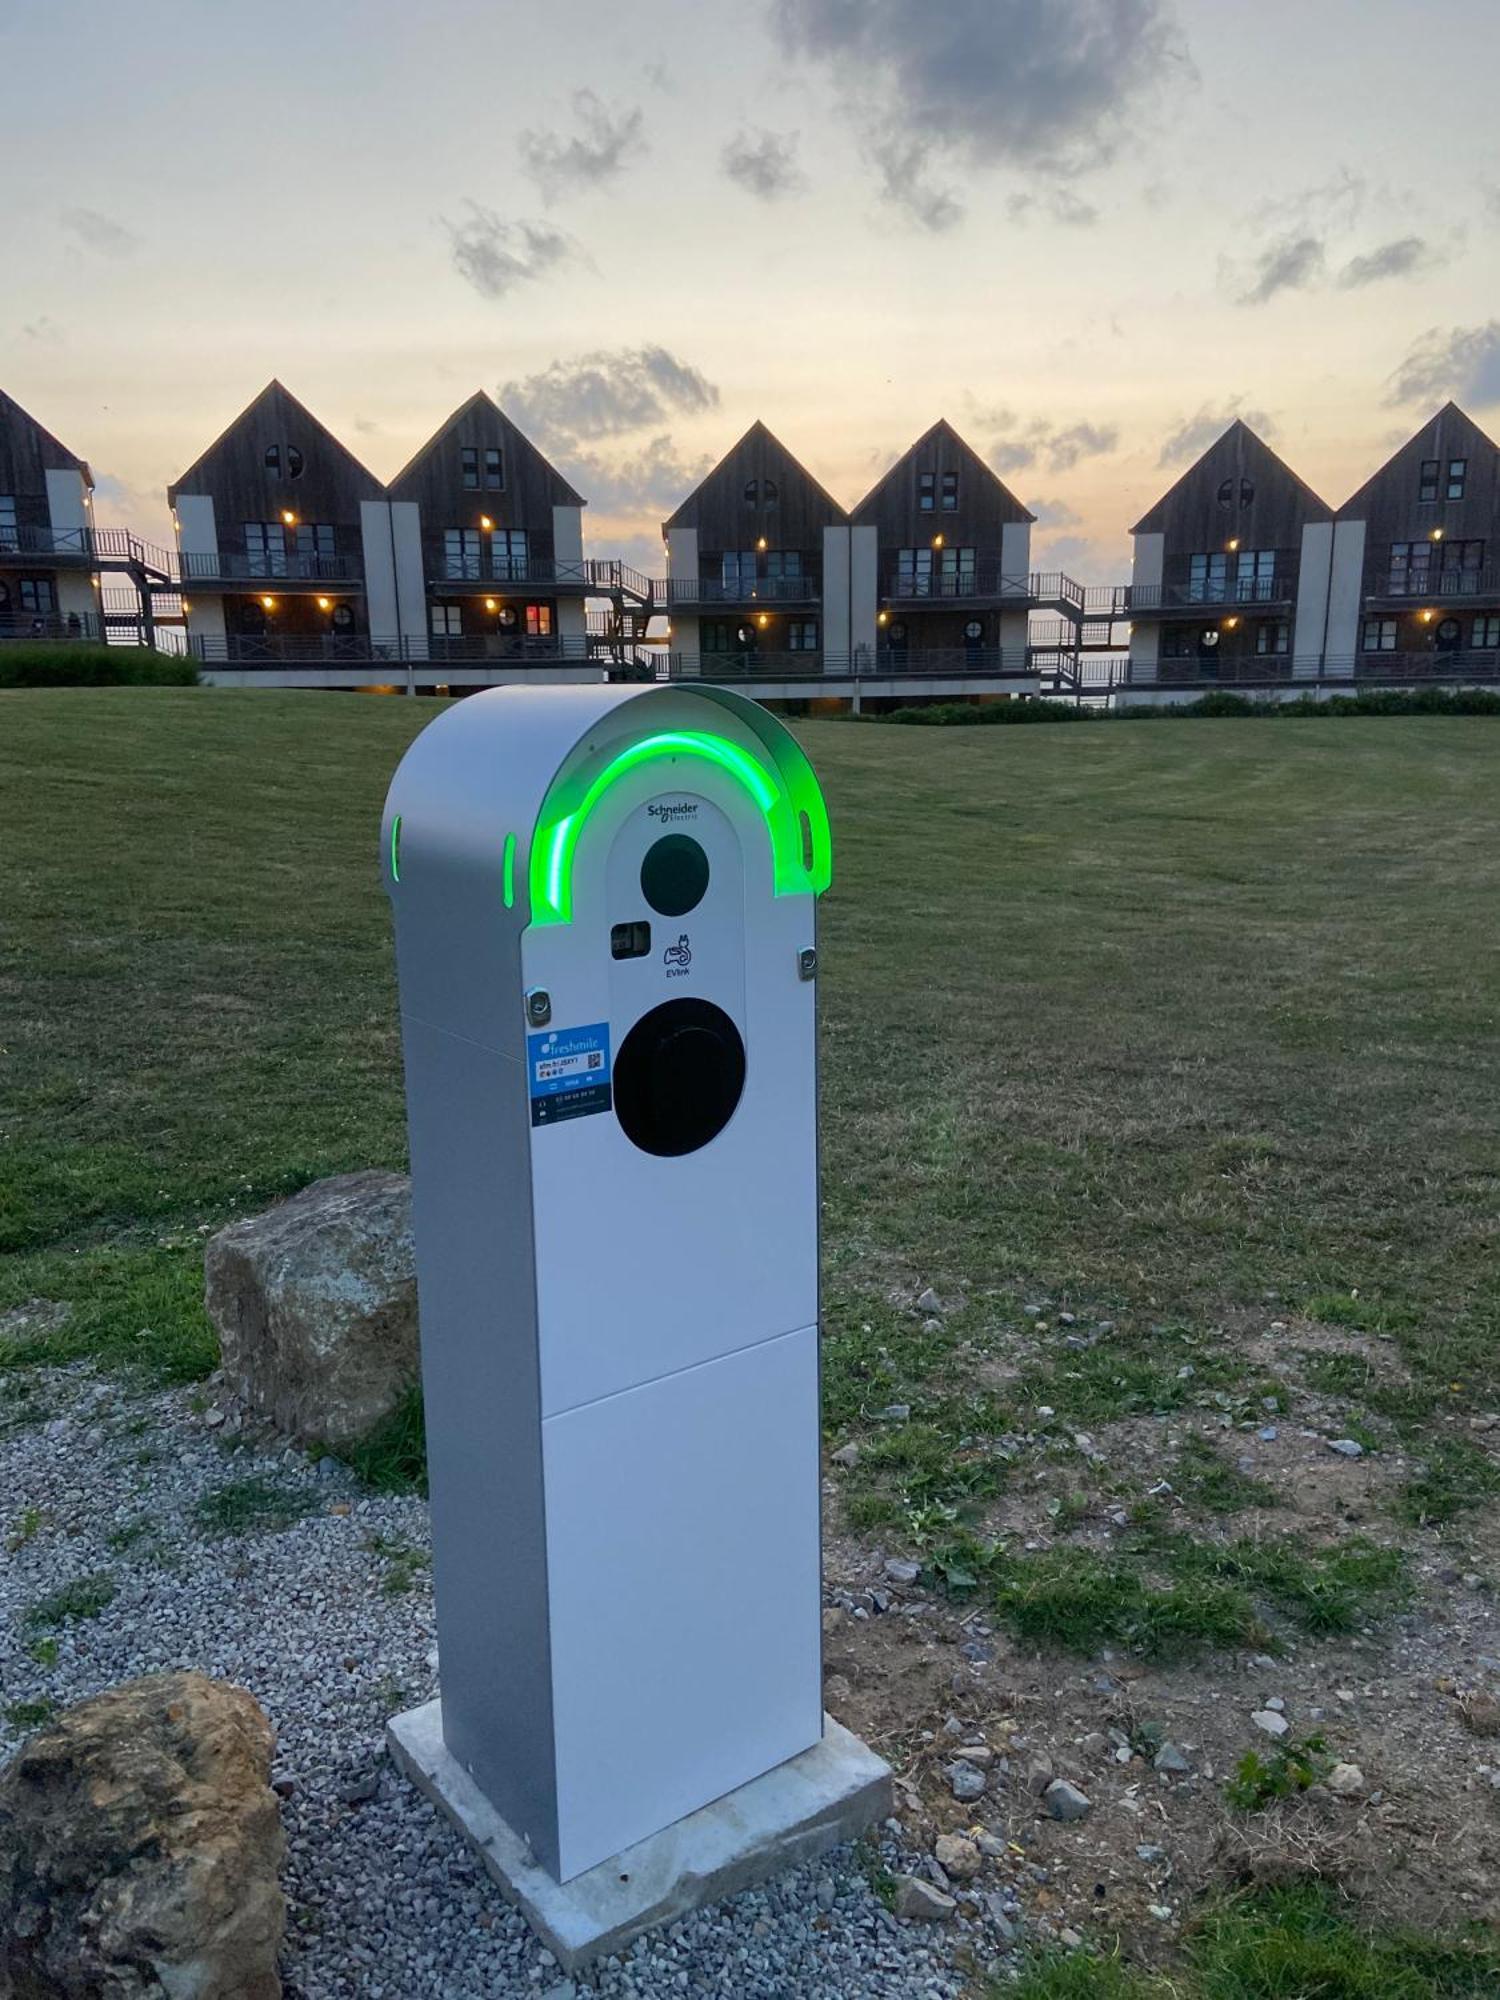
[829, 1794]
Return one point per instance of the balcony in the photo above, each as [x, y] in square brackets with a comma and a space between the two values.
[22, 544]
[454, 574]
[981, 582]
[287, 571]
[1436, 586]
[481, 649]
[292, 649]
[941, 662]
[16, 624]
[737, 591]
[1228, 593]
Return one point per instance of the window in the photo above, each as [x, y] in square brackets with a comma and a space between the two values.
[317, 552]
[265, 548]
[1379, 635]
[343, 619]
[926, 492]
[1271, 635]
[511, 555]
[950, 492]
[1427, 482]
[1486, 632]
[738, 569]
[9, 532]
[494, 468]
[290, 454]
[956, 573]
[461, 554]
[447, 620]
[273, 459]
[1208, 577]
[468, 463]
[752, 492]
[769, 493]
[802, 635]
[539, 621]
[914, 573]
[1409, 568]
[1448, 635]
[1255, 576]
[36, 594]
[1458, 473]
[784, 564]
[293, 461]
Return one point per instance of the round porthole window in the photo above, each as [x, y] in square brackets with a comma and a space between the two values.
[679, 1077]
[974, 629]
[674, 875]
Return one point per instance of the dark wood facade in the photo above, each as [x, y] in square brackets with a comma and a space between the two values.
[32, 552]
[1231, 528]
[970, 505]
[1431, 574]
[479, 467]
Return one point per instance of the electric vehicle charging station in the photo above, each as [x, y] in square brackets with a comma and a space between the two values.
[605, 913]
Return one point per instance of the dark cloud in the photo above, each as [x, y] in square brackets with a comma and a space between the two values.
[653, 481]
[1196, 433]
[764, 164]
[45, 331]
[1057, 204]
[606, 393]
[1049, 89]
[1397, 259]
[1058, 446]
[495, 256]
[608, 141]
[1336, 203]
[1290, 265]
[1460, 361]
[366, 426]
[100, 232]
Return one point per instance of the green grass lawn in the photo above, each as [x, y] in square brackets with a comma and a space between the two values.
[1155, 1019]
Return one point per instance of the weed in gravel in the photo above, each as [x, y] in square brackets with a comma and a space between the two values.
[1286, 1769]
[44, 1651]
[392, 1458]
[253, 1506]
[84, 1597]
[27, 1715]
[1455, 1476]
[404, 1562]
[26, 1529]
[124, 1538]
[1204, 1478]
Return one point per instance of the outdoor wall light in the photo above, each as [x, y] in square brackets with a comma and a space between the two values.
[289, 517]
[486, 523]
[268, 603]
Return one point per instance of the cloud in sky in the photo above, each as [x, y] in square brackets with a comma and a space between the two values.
[1397, 259]
[1060, 446]
[652, 480]
[100, 232]
[1054, 514]
[1290, 264]
[495, 256]
[1196, 433]
[607, 392]
[604, 146]
[984, 83]
[764, 164]
[1460, 361]
[45, 331]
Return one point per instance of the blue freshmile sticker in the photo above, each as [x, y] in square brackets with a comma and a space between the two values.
[568, 1070]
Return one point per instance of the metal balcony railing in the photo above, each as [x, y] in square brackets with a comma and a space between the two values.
[981, 579]
[744, 590]
[55, 544]
[1435, 585]
[524, 572]
[485, 648]
[268, 566]
[29, 625]
[293, 649]
[1210, 593]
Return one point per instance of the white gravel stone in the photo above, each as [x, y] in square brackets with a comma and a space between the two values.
[1272, 1723]
[385, 1902]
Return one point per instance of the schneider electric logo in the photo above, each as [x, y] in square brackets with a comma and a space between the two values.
[677, 809]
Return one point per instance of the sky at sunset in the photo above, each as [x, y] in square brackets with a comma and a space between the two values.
[1086, 231]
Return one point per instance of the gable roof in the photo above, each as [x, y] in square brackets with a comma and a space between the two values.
[758, 437]
[968, 459]
[277, 397]
[1237, 449]
[483, 402]
[52, 452]
[1452, 421]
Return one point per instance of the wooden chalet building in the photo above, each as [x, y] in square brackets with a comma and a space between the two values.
[47, 585]
[1231, 570]
[1415, 588]
[952, 560]
[761, 575]
[283, 541]
[493, 534]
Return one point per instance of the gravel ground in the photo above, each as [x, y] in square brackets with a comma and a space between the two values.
[328, 1621]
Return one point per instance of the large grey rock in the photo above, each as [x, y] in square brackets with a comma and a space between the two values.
[315, 1304]
[139, 1849]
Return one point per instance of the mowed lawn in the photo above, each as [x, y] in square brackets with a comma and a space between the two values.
[1157, 1018]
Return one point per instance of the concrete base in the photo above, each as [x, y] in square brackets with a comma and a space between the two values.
[829, 1794]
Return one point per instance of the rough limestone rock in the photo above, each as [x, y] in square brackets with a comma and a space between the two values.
[139, 1848]
[315, 1304]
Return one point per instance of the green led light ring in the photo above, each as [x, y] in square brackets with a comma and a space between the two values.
[396, 848]
[555, 841]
